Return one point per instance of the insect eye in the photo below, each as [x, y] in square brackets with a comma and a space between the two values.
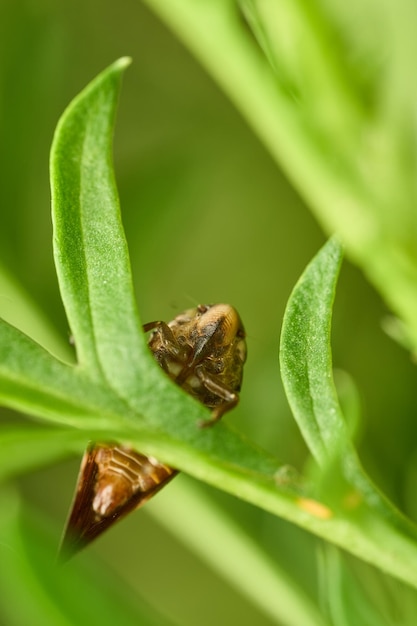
[203, 308]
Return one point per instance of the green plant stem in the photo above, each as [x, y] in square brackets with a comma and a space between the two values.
[347, 197]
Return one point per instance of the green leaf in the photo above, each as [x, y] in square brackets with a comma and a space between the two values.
[26, 448]
[305, 355]
[365, 597]
[119, 393]
[53, 595]
[306, 367]
[349, 398]
[224, 546]
[307, 75]
[33, 381]
[90, 248]
[17, 308]
[91, 254]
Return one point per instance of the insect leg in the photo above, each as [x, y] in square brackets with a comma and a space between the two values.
[230, 398]
[166, 348]
[167, 338]
[163, 330]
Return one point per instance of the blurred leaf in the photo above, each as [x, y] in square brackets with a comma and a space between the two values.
[17, 308]
[350, 402]
[224, 546]
[54, 595]
[296, 84]
[343, 599]
[26, 448]
[349, 599]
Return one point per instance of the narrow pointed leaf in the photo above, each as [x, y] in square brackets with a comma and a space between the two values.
[21, 310]
[90, 249]
[35, 382]
[305, 355]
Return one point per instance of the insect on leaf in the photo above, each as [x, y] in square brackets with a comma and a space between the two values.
[203, 350]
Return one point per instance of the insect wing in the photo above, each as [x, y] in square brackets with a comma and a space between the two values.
[203, 350]
[113, 481]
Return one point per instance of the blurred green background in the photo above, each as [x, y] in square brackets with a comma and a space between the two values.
[208, 218]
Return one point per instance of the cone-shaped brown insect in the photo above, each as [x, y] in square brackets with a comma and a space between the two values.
[203, 350]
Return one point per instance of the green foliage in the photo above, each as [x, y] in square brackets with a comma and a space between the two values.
[298, 99]
[320, 94]
[56, 596]
[306, 359]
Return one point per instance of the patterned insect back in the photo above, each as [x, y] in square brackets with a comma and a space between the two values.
[203, 350]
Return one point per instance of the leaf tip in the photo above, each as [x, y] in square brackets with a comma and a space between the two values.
[122, 63]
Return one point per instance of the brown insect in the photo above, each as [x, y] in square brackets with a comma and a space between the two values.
[203, 350]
